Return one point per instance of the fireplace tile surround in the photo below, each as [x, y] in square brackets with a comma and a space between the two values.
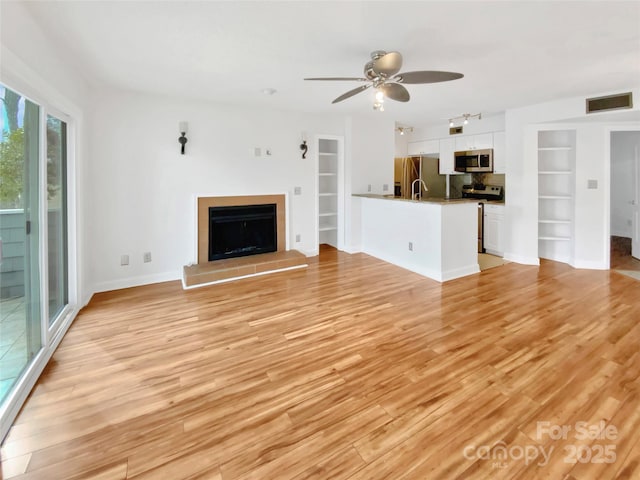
[203, 218]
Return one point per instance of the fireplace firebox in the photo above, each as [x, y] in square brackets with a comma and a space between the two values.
[237, 231]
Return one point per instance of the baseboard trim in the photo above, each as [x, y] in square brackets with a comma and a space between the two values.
[521, 259]
[137, 281]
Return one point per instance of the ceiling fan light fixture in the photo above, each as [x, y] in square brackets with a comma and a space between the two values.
[382, 73]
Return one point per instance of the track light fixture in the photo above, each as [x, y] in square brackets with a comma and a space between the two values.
[465, 118]
[402, 130]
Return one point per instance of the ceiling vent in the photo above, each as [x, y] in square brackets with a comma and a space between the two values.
[610, 102]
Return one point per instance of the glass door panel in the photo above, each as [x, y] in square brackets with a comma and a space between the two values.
[20, 318]
[57, 217]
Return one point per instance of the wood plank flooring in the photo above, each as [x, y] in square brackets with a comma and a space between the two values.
[349, 369]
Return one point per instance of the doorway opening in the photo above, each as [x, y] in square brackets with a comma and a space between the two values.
[625, 199]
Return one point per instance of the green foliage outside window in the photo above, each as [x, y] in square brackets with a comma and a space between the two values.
[12, 169]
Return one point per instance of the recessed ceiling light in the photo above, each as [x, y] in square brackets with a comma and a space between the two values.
[269, 91]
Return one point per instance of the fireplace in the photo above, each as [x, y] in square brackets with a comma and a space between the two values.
[240, 230]
[236, 206]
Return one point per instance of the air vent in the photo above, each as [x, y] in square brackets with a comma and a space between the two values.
[610, 102]
[455, 130]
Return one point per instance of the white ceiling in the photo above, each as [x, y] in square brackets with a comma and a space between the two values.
[511, 53]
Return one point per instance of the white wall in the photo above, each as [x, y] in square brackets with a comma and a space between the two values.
[622, 182]
[369, 153]
[592, 214]
[143, 191]
[372, 147]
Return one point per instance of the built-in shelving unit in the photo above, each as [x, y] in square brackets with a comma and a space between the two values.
[556, 182]
[329, 189]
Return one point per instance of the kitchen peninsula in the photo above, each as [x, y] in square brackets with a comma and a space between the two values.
[433, 237]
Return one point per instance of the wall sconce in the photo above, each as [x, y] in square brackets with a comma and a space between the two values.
[465, 118]
[182, 127]
[403, 130]
[303, 146]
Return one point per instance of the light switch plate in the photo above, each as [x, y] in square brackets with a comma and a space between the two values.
[297, 190]
[592, 184]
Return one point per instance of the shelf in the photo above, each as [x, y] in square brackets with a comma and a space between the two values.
[327, 194]
[555, 172]
[551, 149]
[560, 222]
[328, 214]
[327, 174]
[555, 197]
[555, 239]
[327, 229]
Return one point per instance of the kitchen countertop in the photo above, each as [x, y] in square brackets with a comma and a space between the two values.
[436, 200]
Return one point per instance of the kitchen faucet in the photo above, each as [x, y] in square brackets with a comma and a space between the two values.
[417, 195]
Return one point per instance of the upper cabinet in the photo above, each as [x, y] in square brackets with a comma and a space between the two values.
[425, 147]
[447, 164]
[499, 153]
[444, 148]
[474, 142]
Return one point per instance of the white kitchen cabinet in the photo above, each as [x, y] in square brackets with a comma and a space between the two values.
[447, 164]
[424, 147]
[474, 142]
[493, 229]
[499, 153]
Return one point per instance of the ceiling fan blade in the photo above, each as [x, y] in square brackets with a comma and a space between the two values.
[395, 91]
[351, 93]
[339, 79]
[426, 76]
[388, 64]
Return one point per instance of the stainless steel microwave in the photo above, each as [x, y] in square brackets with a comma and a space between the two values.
[474, 161]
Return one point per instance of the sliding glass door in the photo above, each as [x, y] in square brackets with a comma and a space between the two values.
[34, 244]
[20, 291]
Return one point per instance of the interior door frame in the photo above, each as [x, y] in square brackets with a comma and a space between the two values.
[629, 127]
[635, 221]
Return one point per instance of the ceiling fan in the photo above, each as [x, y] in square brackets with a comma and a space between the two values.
[382, 74]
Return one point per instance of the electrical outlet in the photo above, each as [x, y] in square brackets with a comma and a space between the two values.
[147, 257]
[298, 237]
[297, 190]
[385, 187]
[411, 246]
[369, 188]
[124, 260]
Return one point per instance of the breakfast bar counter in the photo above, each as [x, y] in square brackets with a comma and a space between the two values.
[436, 238]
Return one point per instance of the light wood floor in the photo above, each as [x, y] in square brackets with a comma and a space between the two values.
[350, 369]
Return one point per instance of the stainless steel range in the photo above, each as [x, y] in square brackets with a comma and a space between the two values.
[482, 192]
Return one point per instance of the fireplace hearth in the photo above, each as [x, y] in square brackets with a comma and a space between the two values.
[241, 230]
